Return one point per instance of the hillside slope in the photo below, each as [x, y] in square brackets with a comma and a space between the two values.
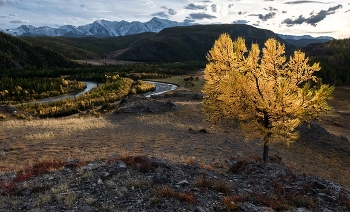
[188, 43]
[334, 58]
[17, 54]
[192, 42]
[89, 47]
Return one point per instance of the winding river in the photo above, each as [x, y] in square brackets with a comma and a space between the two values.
[160, 88]
[89, 86]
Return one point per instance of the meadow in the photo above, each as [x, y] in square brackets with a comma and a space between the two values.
[323, 148]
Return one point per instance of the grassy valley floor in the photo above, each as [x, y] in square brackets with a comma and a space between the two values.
[179, 136]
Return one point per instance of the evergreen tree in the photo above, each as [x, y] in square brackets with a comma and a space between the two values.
[267, 94]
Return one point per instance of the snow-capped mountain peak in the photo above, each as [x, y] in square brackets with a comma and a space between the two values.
[100, 28]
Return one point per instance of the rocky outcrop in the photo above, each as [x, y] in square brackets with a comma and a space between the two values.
[140, 104]
[151, 184]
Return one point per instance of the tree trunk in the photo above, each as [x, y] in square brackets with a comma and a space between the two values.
[266, 138]
[266, 153]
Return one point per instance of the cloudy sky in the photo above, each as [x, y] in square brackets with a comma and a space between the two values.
[295, 17]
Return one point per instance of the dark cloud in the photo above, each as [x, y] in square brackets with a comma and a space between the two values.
[241, 13]
[189, 20]
[347, 11]
[192, 6]
[2, 3]
[201, 16]
[18, 22]
[169, 10]
[313, 19]
[284, 11]
[335, 8]
[304, 2]
[230, 5]
[172, 12]
[271, 9]
[161, 14]
[3, 16]
[291, 22]
[265, 17]
[213, 8]
[12, 15]
[82, 5]
[206, 1]
[240, 22]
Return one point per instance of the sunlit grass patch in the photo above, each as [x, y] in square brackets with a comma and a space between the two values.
[51, 128]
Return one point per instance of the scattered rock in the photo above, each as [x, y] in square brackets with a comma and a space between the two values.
[139, 104]
[183, 183]
[114, 186]
[121, 164]
[203, 130]
[249, 207]
[301, 210]
[91, 166]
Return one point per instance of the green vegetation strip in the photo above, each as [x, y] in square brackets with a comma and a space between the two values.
[113, 90]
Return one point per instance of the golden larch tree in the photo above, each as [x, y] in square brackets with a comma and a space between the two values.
[267, 94]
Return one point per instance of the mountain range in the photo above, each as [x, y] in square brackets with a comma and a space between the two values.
[181, 43]
[173, 44]
[100, 28]
[104, 28]
[304, 40]
[299, 37]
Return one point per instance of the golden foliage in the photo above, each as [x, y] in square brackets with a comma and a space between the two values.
[269, 95]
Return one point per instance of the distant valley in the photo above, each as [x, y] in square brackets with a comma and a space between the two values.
[163, 41]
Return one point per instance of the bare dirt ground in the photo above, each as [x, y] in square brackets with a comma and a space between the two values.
[322, 150]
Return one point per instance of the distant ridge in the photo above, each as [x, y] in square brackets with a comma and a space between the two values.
[192, 43]
[304, 40]
[100, 28]
[299, 37]
[174, 44]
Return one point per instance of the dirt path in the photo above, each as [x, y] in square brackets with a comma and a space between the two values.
[322, 150]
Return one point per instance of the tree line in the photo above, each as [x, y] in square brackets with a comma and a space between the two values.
[334, 58]
[115, 88]
[93, 72]
[21, 89]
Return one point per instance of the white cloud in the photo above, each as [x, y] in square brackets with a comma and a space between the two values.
[79, 12]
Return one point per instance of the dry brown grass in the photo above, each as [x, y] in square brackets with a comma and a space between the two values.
[167, 135]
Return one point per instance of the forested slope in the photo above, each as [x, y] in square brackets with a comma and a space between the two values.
[334, 57]
[18, 54]
[89, 47]
[174, 44]
[191, 43]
